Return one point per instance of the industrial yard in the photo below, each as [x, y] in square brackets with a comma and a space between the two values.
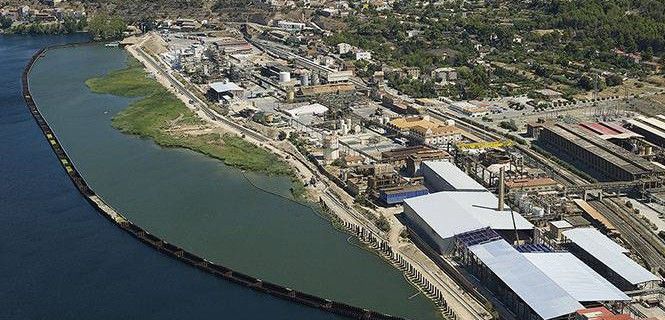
[495, 223]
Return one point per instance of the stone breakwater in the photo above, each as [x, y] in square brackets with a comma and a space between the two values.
[173, 250]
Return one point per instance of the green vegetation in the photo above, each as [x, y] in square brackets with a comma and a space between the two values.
[509, 125]
[382, 223]
[404, 233]
[68, 25]
[158, 110]
[5, 22]
[521, 45]
[412, 87]
[105, 27]
[635, 25]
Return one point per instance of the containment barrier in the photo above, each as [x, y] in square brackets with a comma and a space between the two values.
[171, 249]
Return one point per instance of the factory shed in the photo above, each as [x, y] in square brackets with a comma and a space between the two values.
[590, 153]
[438, 217]
[575, 277]
[607, 258]
[522, 286]
[399, 194]
[609, 130]
[653, 129]
[446, 176]
[219, 90]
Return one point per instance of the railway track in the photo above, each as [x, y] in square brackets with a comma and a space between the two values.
[567, 178]
[639, 237]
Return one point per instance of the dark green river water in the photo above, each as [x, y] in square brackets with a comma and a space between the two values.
[204, 206]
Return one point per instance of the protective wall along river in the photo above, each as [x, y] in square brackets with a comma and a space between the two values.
[63, 260]
[202, 205]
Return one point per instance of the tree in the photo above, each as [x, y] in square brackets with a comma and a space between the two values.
[613, 80]
[70, 25]
[585, 82]
[648, 54]
[510, 125]
[5, 22]
[105, 27]
[281, 136]
[383, 224]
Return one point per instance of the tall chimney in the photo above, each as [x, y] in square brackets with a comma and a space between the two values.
[501, 189]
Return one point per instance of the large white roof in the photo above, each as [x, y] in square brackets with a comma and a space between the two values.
[531, 284]
[610, 254]
[225, 86]
[453, 212]
[314, 108]
[575, 277]
[457, 178]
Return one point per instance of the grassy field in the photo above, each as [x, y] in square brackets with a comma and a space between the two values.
[157, 110]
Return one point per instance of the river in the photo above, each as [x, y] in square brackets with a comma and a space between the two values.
[62, 260]
[202, 205]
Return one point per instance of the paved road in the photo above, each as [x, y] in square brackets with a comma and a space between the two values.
[463, 304]
[198, 103]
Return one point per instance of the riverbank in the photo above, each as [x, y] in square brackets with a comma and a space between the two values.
[172, 250]
[61, 260]
[158, 115]
[329, 195]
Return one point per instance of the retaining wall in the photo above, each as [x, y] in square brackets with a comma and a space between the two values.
[173, 250]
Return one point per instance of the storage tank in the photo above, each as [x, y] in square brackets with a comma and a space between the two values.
[344, 128]
[304, 79]
[284, 76]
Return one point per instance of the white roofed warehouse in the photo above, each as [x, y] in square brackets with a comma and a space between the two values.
[308, 109]
[224, 91]
[518, 283]
[533, 281]
[446, 176]
[607, 258]
[438, 217]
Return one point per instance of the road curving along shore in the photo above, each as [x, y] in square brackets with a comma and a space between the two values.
[172, 250]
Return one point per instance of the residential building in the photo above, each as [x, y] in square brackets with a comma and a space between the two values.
[364, 55]
[344, 48]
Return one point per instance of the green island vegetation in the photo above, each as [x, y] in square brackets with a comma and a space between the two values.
[158, 111]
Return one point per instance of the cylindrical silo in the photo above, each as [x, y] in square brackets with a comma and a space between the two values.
[284, 76]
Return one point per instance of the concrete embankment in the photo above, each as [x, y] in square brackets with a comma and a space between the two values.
[173, 250]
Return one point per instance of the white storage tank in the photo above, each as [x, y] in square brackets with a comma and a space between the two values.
[284, 76]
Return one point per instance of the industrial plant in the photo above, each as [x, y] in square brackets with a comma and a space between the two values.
[553, 218]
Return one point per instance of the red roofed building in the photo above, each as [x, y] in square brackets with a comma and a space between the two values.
[608, 130]
[599, 313]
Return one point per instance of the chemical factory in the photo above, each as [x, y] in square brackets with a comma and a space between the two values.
[562, 221]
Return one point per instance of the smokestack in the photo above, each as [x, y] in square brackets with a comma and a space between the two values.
[501, 189]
